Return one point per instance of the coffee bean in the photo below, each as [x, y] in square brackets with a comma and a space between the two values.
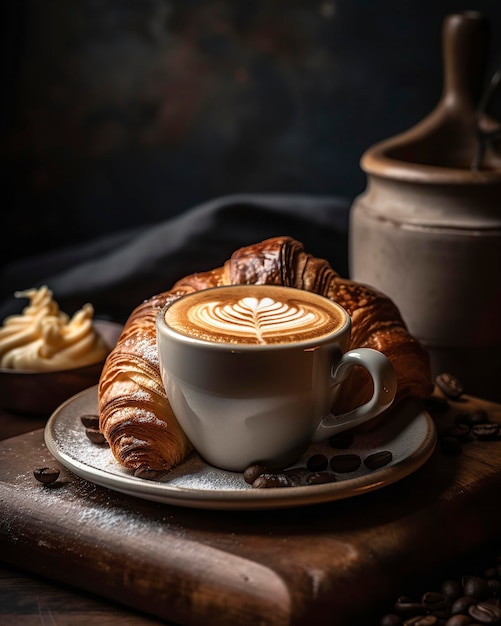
[462, 604]
[450, 386]
[378, 459]
[318, 478]
[253, 471]
[317, 462]
[344, 463]
[342, 440]
[297, 475]
[475, 587]
[434, 601]
[471, 601]
[90, 421]
[46, 475]
[270, 481]
[494, 587]
[95, 435]
[488, 431]
[408, 607]
[485, 613]
[451, 589]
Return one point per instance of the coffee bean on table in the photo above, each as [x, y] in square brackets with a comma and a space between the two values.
[450, 386]
[487, 431]
[485, 613]
[451, 589]
[344, 463]
[408, 607]
[378, 459]
[46, 475]
[476, 587]
[434, 601]
[494, 587]
[462, 604]
[472, 599]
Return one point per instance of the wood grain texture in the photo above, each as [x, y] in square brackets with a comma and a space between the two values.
[343, 559]
[36, 601]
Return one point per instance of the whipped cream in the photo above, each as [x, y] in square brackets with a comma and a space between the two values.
[43, 338]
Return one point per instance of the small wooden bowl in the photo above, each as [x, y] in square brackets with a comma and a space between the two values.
[40, 393]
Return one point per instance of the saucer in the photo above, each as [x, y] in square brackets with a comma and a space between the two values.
[408, 432]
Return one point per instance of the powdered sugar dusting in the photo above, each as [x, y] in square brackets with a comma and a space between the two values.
[409, 435]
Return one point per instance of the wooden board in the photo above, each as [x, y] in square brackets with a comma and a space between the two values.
[339, 562]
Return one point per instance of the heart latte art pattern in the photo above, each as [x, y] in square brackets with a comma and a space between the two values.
[264, 319]
[257, 315]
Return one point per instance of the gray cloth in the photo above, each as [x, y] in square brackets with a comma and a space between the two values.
[118, 271]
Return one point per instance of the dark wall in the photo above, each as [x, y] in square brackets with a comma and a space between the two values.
[119, 113]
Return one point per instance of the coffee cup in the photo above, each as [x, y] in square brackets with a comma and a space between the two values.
[252, 372]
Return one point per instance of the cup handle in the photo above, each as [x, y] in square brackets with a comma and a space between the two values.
[385, 387]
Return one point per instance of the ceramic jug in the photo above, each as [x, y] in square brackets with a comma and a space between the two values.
[427, 228]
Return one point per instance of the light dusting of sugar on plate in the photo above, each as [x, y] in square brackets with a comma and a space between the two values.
[404, 434]
[192, 473]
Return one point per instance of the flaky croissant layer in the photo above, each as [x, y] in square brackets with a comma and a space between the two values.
[135, 414]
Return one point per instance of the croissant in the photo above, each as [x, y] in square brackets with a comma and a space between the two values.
[134, 411]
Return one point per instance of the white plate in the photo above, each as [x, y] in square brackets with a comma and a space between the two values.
[408, 433]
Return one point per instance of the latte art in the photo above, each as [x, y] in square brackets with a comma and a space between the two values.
[257, 315]
[252, 316]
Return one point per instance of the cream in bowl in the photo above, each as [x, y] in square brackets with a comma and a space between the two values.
[46, 356]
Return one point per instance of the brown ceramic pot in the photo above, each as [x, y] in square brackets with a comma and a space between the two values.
[427, 228]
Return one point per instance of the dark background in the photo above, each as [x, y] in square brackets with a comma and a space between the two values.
[121, 113]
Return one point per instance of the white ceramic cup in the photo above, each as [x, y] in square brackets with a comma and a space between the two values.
[252, 372]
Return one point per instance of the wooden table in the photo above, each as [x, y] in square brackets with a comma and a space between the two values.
[342, 562]
[27, 599]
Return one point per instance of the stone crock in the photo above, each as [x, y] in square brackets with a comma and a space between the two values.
[427, 228]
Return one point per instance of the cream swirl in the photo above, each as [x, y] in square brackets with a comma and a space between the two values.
[44, 338]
